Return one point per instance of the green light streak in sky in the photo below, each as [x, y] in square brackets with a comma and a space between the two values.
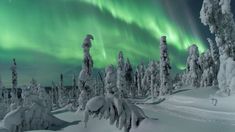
[55, 29]
[151, 17]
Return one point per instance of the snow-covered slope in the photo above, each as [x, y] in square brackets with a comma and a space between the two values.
[197, 104]
[188, 111]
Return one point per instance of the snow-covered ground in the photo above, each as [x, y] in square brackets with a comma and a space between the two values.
[188, 111]
[198, 104]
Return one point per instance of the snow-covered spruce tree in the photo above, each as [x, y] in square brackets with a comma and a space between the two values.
[14, 96]
[121, 82]
[118, 110]
[140, 75]
[138, 80]
[100, 84]
[85, 73]
[218, 16]
[206, 63]
[110, 80]
[193, 70]
[135, 83]
[55, 95]
[46, 99]
[6, 97]
[214, 50]
[177, 81]
[32, 89]
[3, 104]
[97, 87]
[63, 98]
[164, 68]
[129, 77]
[34, 86]
[153, 78]
[74, 87]
[146, 82]
[1, 89]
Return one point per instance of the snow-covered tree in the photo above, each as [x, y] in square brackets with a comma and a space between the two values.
[193, 70]
[153, 78]
[214, 50]
[6, 96]
[63, 96]
[129, 77]
[121, 82]
[74, 87]
[83, 97]
[99, 84]
[55, 94]
[140, 75]
[46, 99]
[226, 75]
[218, 16]
[110, 80]
[207, 63]
[14, 96]
[146, 82]
[34, 86]
[177, 81]
[85, 74]
[1, 89]
[164, 68]
[3, 104]
[135, 83]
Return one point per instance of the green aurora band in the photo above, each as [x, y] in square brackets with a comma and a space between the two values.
[53, 30]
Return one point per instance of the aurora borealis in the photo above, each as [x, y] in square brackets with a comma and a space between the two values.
[45, 36]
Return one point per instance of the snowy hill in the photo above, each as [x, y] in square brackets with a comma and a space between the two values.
[188, 111]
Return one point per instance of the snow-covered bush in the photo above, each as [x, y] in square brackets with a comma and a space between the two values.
[119, 110]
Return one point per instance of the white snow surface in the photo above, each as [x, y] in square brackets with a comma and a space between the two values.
[188, 111]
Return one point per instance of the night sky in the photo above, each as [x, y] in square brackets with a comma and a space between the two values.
[45, 36]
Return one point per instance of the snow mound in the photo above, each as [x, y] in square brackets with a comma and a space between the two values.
[35, 117]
